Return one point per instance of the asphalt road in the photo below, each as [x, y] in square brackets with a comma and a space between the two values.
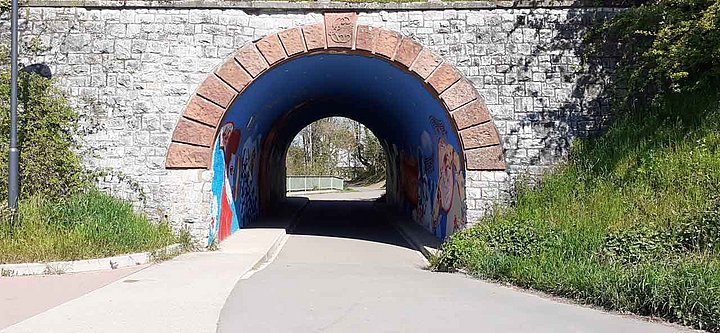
[344, 269]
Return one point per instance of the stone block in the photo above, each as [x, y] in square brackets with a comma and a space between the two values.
[204, 111]
[250, 58]
[314, 36]
[443, 77]
[192, 132]
[186, 156]
[425, 63]
[216, 91]
[271, 49]
[485, 158]
[232, 73]
[340, 29]
[480, 136]
[407, 51]
[366, 36]
[387, 43]
[458, 94]
[292, 40]
[472, 113]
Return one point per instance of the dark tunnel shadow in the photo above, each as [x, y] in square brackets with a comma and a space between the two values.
[359, 219]
[363, 219]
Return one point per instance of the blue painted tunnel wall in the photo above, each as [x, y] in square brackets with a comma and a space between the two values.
[425, 177]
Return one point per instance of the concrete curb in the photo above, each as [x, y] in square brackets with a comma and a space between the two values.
[86, 265]
[299, 193]
[417, 236]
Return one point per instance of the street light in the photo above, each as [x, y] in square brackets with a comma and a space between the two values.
[14, 153]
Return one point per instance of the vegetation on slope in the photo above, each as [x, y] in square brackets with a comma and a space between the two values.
[61, 215]
[632, 221]
[85, 225]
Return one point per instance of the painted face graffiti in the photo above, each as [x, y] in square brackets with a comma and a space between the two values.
[450, 195]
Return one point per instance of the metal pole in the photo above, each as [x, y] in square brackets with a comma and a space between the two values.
[14, 153]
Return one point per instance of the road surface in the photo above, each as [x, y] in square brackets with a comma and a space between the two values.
[344, 269]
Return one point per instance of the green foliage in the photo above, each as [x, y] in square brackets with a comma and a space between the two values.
[631, 222]
[697, 234]
[47, 128]
[664, 46]
[337, 147]
[83, 225]
[61, 216]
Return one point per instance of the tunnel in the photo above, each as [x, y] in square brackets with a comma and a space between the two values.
[430, 121]
[420, 143]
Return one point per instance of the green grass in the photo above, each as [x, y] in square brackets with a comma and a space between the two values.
[631, 222]
[87, 225]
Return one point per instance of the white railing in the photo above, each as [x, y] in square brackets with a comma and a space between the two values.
[311, 183]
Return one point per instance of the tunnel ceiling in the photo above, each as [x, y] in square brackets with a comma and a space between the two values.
[391, 102]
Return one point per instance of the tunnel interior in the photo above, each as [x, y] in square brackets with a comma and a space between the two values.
[425, 167]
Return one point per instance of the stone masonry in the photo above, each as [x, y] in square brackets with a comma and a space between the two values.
[133, 71]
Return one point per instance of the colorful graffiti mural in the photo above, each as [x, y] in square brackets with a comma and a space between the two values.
[431, 180]
[224, 214]
[425, 176]
[234, 187]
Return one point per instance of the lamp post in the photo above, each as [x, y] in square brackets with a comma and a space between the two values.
[14, 153]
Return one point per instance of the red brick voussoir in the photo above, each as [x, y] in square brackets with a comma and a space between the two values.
[194, 135]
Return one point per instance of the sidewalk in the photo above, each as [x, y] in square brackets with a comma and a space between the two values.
[22, 297]
[184, 294]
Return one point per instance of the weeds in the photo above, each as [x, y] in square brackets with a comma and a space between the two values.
[84, 225]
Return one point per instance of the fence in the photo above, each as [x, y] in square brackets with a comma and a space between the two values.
[308, 183]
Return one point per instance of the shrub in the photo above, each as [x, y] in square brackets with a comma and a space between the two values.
[47, 139]
[664, 46]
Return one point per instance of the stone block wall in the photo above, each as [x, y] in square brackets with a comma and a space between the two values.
[132, 71]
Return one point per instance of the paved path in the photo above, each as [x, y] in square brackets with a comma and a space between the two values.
[184, 294]
[22, 297]
[344, 269]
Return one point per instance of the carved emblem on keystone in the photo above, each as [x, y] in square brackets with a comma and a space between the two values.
[341, 30]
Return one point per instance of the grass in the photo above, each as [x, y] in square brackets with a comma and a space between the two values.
[86, 225]
[631, 222]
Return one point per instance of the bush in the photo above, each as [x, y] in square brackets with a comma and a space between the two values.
[47, 139]
[664, 46]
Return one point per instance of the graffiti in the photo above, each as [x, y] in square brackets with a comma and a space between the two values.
[248, 187]
[438, 126]
[431, 180]
[235, 181]
[224, 213]
[409, 178]
[448, 213]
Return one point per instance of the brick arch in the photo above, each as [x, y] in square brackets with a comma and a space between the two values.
[195, 132]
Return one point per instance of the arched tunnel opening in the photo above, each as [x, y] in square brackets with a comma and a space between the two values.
[425, 165]
[335, 153]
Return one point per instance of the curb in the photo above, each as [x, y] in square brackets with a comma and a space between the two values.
[300, 193]
[274, 250]
[417, 236]
[87, 265]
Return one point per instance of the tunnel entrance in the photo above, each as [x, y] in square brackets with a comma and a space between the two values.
[430, 121]
[335, 153]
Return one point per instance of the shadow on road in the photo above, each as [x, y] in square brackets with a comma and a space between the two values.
[360, 219]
